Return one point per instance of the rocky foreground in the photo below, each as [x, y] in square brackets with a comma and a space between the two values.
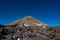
[28, 30]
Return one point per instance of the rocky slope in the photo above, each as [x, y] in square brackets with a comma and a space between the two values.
[28, 28]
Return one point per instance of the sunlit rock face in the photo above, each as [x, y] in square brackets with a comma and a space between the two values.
[27, 21]
[28, 28]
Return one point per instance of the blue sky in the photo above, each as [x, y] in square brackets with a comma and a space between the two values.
[47, 11]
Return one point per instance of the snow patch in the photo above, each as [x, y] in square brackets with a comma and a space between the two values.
[18, 39]
[37, 24]
[44, 26]
[26, 25]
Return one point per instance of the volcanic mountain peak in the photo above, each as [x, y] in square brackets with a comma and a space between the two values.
[28, 17]
[28, 21]
[28, 28]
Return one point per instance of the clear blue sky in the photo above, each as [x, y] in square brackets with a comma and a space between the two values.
[47, 11]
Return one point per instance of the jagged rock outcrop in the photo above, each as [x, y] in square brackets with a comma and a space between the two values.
[28, 28]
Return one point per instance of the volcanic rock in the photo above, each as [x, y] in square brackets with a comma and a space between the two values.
[28, 28]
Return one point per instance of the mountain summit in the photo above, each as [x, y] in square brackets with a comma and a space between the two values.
[29, 28]
[28, 21]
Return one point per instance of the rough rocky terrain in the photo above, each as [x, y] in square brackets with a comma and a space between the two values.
[28, 28]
